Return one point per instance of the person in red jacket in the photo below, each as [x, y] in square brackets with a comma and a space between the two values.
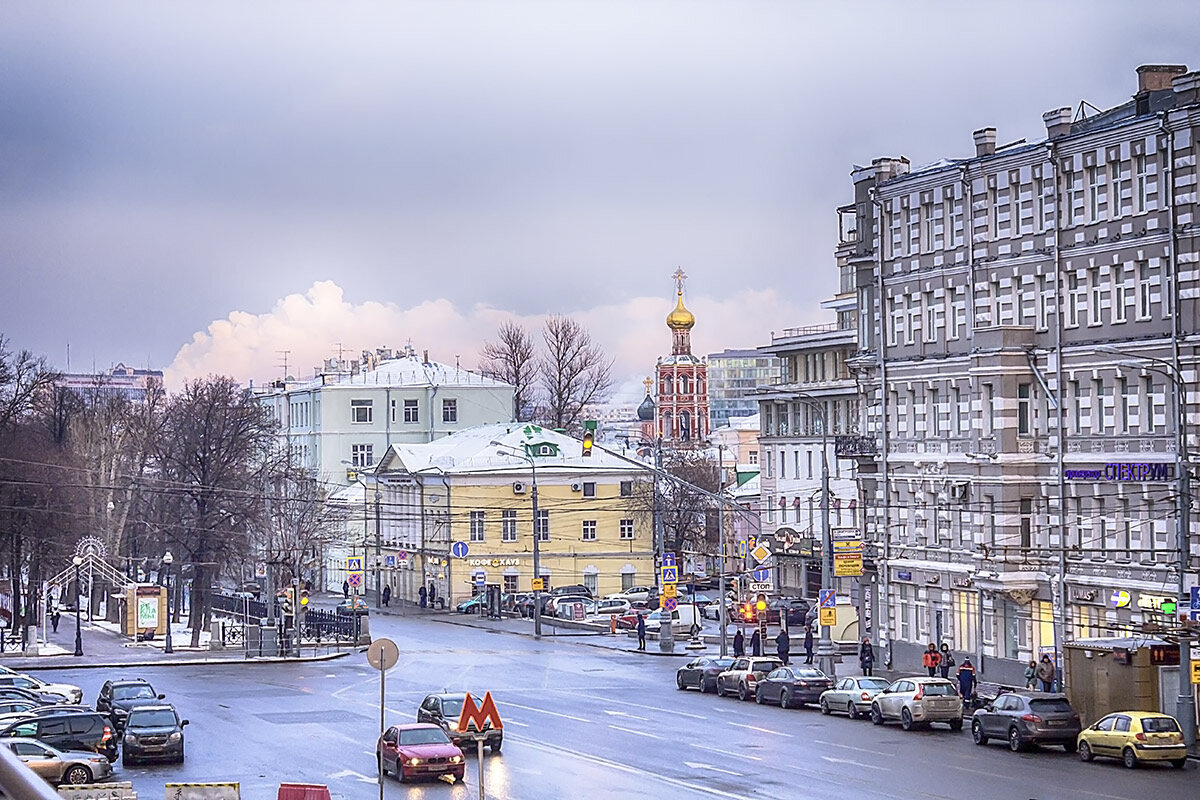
[932, 659]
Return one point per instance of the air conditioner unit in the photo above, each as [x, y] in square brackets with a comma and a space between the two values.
[959, 489]
[518, 487]
[576, 487]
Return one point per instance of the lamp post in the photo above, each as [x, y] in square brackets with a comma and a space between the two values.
[168, 560]
[721, 547]
[78, 561]
[533, 494]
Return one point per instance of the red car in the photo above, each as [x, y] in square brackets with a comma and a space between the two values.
[418, 750]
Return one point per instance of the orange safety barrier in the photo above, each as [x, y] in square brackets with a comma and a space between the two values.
[303, 791]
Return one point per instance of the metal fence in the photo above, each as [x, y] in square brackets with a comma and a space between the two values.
[239, 606]
[329, 626]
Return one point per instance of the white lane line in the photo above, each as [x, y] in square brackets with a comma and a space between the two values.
[760, 730]
[544, 711]
[850, 747]
[645, 707]
[720, 752]
[626, 715]
[698, 765]
[638, 733]
[518, 724]
[833, 760]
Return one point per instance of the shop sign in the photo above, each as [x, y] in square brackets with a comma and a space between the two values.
[1152, 602]
[494, 562]
[903, 575]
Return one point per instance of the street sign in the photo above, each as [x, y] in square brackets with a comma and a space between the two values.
[847, 545]
[480, 577]
[828, 617]
[669, 590]
[669, 603]
[355, 579]
[1195, 671]
[389, 561]
[383, 654]
[401, 555]
[761, 586]
[760, 552]
[479, 718]
[761, 574]
[459, 549]
[668, 559]
[670, 574]
[537, 584]
[260, 571]
[354, 564]
[1195, 598]
[577, 612]
[847, 565]
[828, 598]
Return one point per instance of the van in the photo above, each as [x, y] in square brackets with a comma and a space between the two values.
[683, 618]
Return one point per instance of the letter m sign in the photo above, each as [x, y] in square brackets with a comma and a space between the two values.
[479, 718]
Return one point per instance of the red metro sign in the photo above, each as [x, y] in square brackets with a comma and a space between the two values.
[479, 718]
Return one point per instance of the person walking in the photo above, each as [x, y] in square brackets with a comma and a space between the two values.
[866, 656]
[755, 644]
[432, 593]
[1046, 673]
[808, 644]
[946, 662]
[966, 681]
[783, 646]
[739, 644]
[1031, 675]
[421, 596]
[346, 589]
[641, 632]
[54, 617]
[387, 595]
[931, 659]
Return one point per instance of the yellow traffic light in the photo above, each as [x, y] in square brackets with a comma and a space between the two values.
[761, 604]
[304, 597]
[587, 443]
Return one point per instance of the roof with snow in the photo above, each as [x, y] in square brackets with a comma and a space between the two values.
[407, 370]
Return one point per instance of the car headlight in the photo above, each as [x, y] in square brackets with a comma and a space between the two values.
[414, 761]
[130, 739]
[98, 760]
[455, 759]
[175, 736]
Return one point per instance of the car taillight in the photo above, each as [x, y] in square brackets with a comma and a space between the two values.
[865, 697]
[107, 734]
[804, 683]
[751, 678]
[1031, 718]
[920, 692]
[1141, 737]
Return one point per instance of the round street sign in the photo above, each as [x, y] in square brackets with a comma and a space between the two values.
[1119, 599]
[459, 549]
[383, 654]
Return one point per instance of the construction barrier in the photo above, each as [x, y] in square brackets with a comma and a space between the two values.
[204, 791]
[303, 791]
[98, 791]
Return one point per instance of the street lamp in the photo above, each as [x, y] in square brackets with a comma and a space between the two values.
[537, 572]
[825, 647]
[168, 560]
[78, 561]
[1185, 705]
[721, 548]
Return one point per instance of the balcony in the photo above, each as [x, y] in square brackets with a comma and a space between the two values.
[855, 446]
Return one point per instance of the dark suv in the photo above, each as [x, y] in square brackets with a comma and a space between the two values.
[153, 732]
[68, 730]
[1025, 718]
[445, 709]
[117, 698]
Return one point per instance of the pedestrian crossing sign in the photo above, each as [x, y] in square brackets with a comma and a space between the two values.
[670, 574]
[354, 564]
[828, 617]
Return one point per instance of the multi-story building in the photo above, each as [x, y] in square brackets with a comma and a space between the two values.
[1028, 317]
[121, 381]
[681, 413]
[732, 377]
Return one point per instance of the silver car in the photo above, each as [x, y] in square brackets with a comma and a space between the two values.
[59, 766]
[917, 702]
[852, 695]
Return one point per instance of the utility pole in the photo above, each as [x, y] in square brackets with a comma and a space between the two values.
[721, 547]
[825, 648]
[666, 628]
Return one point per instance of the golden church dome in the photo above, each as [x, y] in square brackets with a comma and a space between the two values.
[680, 319]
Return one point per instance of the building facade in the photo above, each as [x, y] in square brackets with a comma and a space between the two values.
[1028, 319]
[681, 414]
[131, 384]
[733, 376]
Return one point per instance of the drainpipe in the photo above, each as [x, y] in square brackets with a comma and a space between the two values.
[885, 623]
[1060, 604]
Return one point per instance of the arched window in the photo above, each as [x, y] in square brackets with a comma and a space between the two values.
[685, 384]
[685, 425]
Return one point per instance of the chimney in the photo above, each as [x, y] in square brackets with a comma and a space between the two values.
[1157, 77]
[985, 142]
[1187, 89]
[1058, 122]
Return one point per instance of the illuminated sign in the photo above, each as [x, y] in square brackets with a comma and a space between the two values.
[1122, 471]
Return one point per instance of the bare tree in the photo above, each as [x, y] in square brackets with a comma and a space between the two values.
[573, 371]
[687, 514]
[24, 379]
[511, 358]
[296, 526]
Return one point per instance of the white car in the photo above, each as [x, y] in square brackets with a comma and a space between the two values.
[614, 605]
[70, 693]
[636, 593]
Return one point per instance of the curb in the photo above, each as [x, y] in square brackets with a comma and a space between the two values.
[187, 662]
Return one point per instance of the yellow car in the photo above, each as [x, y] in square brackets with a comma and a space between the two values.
[1134, 736]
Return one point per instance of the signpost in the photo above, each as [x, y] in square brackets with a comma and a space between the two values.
[477, 721]
[382, 655]
[537, 585]
[459, 549]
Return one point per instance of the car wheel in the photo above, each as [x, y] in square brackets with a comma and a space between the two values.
[1015, 742]
[906, 720]
[704, 686]
[720, 688]
[852, 710]
[876, 715]
[977, 733]
[679, 682]
[1129, 758]
[825, 707]
[956, 724]
[78, 775]
[785, 699]
[1085, 752]
[1179, 763]
[758, 697]
[743, 692]
[126, 761]
[495, 745]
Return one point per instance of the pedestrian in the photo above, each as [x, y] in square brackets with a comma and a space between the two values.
[808, 644]
[1046, 673]
[641, 632]
[387, 595]
[421, 596]
[346, 589]
[866, 656]
[931, 659]
[54, 617]
[1031, 675]
[755, 644]
[947, 661]
[783, 645]
[966, 681]
[739, 644]
[432, 593]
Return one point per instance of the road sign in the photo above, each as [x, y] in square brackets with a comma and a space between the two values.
[389, 561]
[401, 555]
[668, 559]
[846, 565]
[260, 571]
[479, 718]
[669, 590]
[761, 552]
[670, 603]
[537, 584]
[459, 549]
[828, 598]
[383, 654]
[355, 579]
[480, 577]
[829, 617]
[761, 586]
[1195, 671]
[1195, 598]
[761, 574]
[670, 574]
[847, 545]
[1119, 599]
[577, 612]
[354, 564]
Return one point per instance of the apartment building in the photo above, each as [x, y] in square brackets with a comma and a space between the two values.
[733, 376]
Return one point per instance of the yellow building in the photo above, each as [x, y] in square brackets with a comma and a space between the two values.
[463, 504]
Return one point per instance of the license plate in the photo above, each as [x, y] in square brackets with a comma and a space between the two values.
[1056, 723]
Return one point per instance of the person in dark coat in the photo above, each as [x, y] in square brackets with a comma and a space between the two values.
[1046, 673]
[782, 646]
[866, 656]
[421, 596]
[808, 644]
[755, 644]
[387, 595]
[966, 680]
[739, 644]
[946, 662]
[432, 593]
[641, 632]
[346, 589]
[54, 617]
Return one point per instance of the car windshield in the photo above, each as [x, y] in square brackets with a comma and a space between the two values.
[156, 718]
[941, 689]
[722, 663]
[809, 673]
[1160, 725]
[423, 736]
[1055, 705]
[132, 692]
[873, 683]
[765, 666]
[452, 707]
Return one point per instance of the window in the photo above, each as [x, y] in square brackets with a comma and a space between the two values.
[1120, 294]
[1118, 178]
[1146, 415]
[1141, 196]
[1026, 522]
[1071, 192]
[1023, 408]
[411, 412]
[361, 411]
[1039, 224]
[1074, 300]
[1144, 305]
[508, 525]
[1043, 301]
[589, 583]
[752, 458]
[626, 488]
[1076, 408]
[627, 579]
[542, 526]
[1097, 291]
[934, 410]
[477, 526]
[927, 240]
[989, 409]
[1095, 181]
[930, 318]
[361, 455]
[627, 529]
[510, 584]
[1123, 388]
[450, 410]
[589, 489]
[589, 530]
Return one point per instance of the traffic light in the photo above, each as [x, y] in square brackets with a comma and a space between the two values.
[748, 612]
[761, 603]
[303, 598]
[286, 602]
[587, 444]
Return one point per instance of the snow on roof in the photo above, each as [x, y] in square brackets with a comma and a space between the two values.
[751, 488]
[404, 371]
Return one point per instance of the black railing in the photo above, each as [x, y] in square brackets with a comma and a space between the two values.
[328, 626]
[239, 606]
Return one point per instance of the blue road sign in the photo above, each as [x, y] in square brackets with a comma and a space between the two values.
[1195, 598]
[670, 603]
[761, 574]
[389, 561]
[670, 574]
[480, 578]
[668, 559]
[459, 549]
[828, 598]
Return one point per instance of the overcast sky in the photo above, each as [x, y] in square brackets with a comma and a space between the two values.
[196, 186]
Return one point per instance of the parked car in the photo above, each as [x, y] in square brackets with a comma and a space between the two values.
[118, 697]
[609, 606]
[702, 672]
[1027, 718]
[418, 750]
[153, 733]
[15, 706]
[73, 767]
[577, 589]
[444, 710]
[919, 701]
[471, 604]
[353, 605]
[744, 674]
[42, 711]
[68, 692]
[1133, 737]
[792, 687]
[71, 730]
[701, 601]
[564, 607]
[682, 618]
[642, 593]
[797, 610]
[16, 693]
[852, 695]
[524, 605]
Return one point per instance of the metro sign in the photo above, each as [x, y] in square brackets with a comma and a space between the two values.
[477, 719]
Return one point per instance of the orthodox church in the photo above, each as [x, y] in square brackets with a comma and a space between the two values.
[681, 413]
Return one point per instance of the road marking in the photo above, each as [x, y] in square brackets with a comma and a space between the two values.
[544, 711]
[349, 773]
[638, 733]
[721, 752]
[760, 730]
[833, 760]
[851, 747]
[626, 714]
[697, 765]
[1002, 776]
[644, 707]
[518, 724]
